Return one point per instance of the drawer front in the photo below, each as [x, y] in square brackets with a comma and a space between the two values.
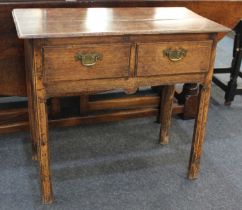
[173, 58]
[70, 63]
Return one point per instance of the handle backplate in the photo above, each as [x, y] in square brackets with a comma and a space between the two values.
[88, 59]
[175, 54]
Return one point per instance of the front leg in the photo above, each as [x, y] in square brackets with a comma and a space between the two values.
[38, 115]
[199, 132]
[43, 149]
[201, 119]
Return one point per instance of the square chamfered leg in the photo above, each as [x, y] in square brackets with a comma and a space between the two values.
[199, 132]
[43, 148]
[38, 117]
[167, 95]
[201, 119]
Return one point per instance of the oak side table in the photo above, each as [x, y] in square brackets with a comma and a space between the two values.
[71, 51]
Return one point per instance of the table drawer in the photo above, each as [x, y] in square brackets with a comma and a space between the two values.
[69, 63]
[173, 58]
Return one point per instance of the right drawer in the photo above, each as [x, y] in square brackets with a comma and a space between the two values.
[173, 58]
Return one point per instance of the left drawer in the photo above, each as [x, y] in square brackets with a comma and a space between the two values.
[84, 62]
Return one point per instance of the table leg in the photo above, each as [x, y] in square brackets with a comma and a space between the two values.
[199, 132]
[167, 94]
[43, 150]
[201, 119]
[38, 115]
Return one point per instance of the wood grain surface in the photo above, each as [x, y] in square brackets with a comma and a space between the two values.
[76, 22]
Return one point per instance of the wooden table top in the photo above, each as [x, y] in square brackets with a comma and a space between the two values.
[75, 22]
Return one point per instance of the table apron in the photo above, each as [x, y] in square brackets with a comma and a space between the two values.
[63, 88]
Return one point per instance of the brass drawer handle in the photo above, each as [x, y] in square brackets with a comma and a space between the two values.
[88, 59]
[175, 54]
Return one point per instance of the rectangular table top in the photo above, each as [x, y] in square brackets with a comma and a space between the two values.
[76, 22]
